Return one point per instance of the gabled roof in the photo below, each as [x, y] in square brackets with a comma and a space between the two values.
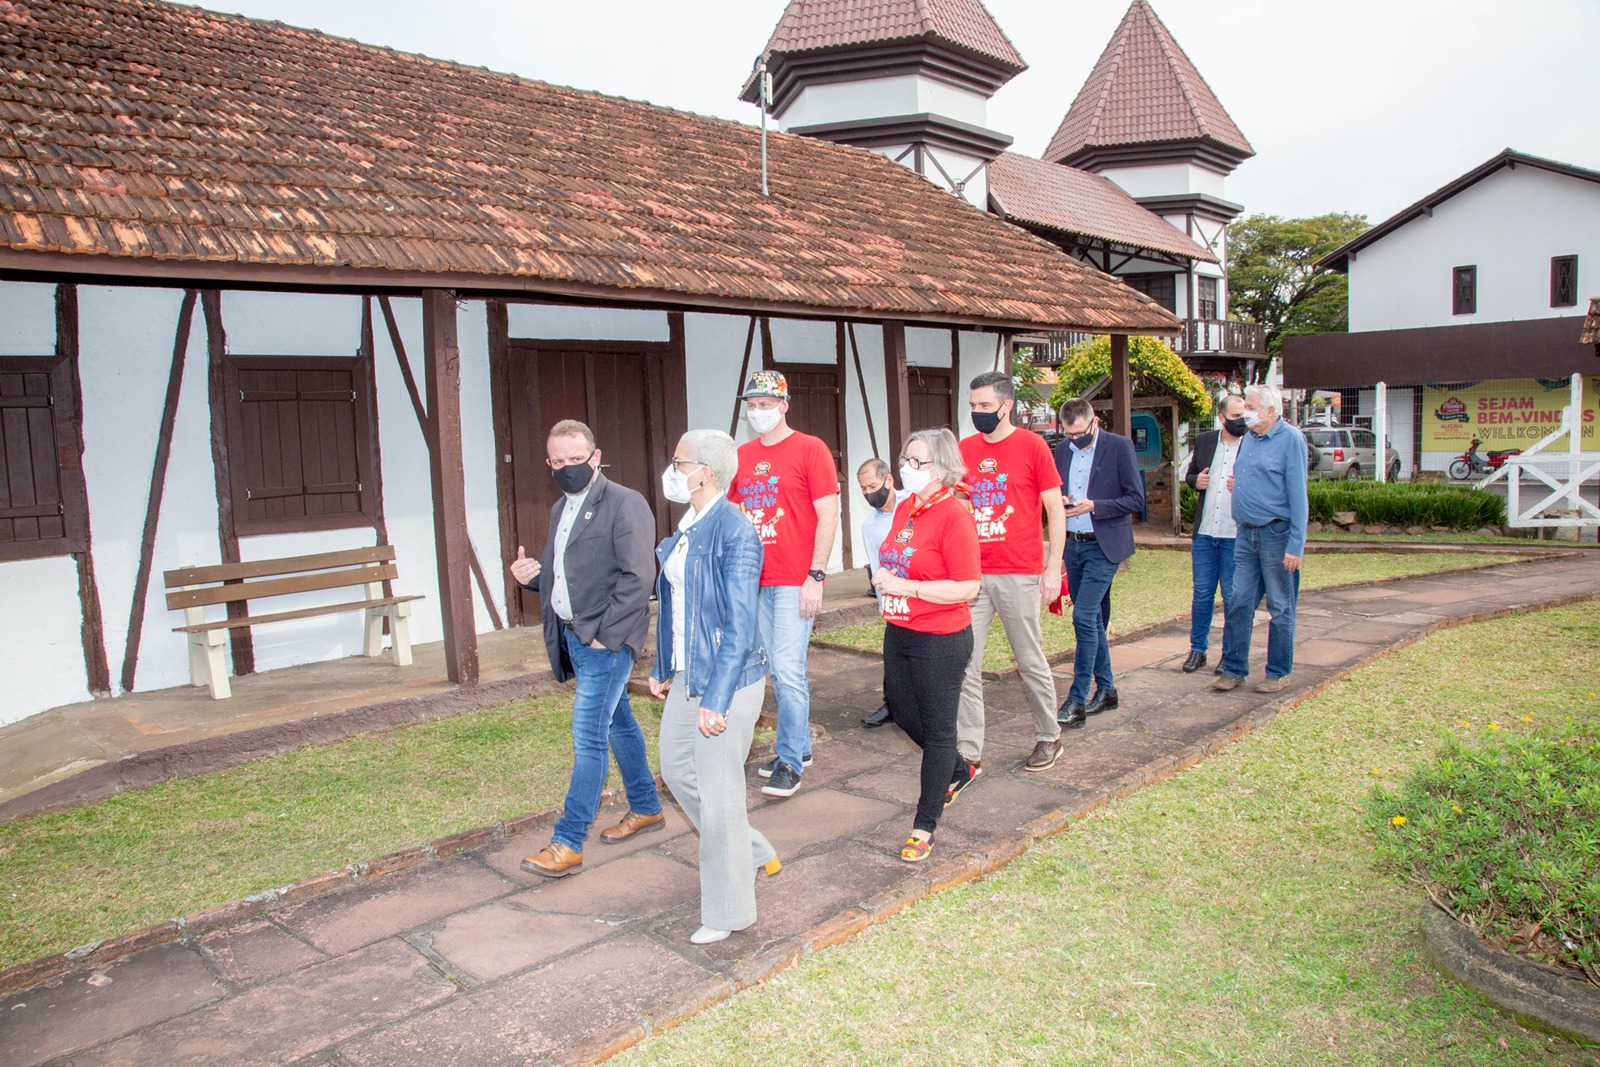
[1144, 90]
[1340, 257]
[811, 25]
[147, 140]
[1031, 192]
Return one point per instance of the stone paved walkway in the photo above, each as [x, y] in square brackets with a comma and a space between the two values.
[467, 960]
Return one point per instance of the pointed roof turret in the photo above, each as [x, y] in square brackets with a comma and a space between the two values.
[1146, 102]
[958, 38]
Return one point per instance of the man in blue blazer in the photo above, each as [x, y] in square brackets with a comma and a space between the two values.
[1104, 489]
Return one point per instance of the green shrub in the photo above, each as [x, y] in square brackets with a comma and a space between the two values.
[1188, 503]
[1407, 504]
[1155, 368]
[1507, 837]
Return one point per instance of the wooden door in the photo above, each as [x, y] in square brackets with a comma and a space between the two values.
[932, 399]
[621, 391]
[816, 404]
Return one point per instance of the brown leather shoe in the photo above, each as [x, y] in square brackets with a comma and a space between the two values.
[633, 823]
[1045, 754]
[555, 860]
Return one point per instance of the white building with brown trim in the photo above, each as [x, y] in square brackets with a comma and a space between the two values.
[265, 292]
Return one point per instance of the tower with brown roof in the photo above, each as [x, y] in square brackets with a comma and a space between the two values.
[910, 79]
[1147, 120]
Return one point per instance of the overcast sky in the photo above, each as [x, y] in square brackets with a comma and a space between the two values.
[1360, 105]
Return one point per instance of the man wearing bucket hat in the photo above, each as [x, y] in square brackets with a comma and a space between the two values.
[789, 488]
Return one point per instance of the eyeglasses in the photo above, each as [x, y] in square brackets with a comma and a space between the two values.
[915, 464]
[676, 462]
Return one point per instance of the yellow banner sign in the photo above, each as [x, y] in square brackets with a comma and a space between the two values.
[1510, 413]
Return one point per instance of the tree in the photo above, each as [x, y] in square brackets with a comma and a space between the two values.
[1155, 368]
[1272, 279]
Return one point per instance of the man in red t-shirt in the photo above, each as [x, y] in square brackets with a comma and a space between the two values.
[1011, 475]
[789, 487]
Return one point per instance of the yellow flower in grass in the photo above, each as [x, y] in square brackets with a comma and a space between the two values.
[1456, 808]
[1398, 820]
[1527, 718]
[1462, 722]
[1494, 726]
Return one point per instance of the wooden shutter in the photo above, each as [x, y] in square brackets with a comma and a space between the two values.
[37, 452]
[302, 452]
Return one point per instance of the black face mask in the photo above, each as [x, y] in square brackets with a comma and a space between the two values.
[1081, 441]
[878, 497]
[1235, 427]
[986, 421]
[574, 477]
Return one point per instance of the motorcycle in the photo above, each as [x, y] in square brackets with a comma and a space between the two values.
[1472, 462]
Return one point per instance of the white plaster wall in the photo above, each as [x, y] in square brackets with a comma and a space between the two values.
[1508, 225]
[27, 319]
[927, 347]
[1401, 423]
[1166, 179]
[714, 351]
[961, 166]
[558, 322]
[859, 439]
[871, 98]
[978, 352]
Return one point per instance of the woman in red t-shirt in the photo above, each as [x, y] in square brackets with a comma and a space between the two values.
[928, 571]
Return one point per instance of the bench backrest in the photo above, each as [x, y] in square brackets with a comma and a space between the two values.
[227, 583]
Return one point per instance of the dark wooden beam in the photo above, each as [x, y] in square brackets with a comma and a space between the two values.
[158, 483]
[842, 376]
[768, 359]
[1121, 386]
[897, 387]
[92, 629]
[505, 482]
[441, 358]
[744, 371]
[244, 650]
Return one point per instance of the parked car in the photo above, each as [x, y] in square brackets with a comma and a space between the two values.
[1346, 452]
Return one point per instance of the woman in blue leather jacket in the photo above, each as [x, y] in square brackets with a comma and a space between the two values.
[711, 670]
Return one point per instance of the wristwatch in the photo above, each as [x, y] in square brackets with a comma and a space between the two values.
[817, 576]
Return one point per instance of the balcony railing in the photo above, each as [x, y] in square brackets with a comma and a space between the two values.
[1221, 336]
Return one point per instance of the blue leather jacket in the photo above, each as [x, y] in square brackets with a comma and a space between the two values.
[722, 587]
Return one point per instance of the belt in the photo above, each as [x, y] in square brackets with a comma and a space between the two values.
[566, 624]
[1073, 535]
[1263, 525]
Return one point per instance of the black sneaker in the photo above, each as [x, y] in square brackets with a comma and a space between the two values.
[783, 783]
[766, 769]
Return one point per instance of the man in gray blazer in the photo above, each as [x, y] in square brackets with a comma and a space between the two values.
[594, 580]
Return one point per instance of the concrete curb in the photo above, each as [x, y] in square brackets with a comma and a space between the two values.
[1567, 1007]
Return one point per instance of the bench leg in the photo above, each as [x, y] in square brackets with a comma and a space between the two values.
[373, 646]
[400, 634]
[198, 669]
[217, 665]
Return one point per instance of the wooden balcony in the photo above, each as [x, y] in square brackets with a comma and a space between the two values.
[1220, 337]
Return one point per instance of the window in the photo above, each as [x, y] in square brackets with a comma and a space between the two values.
[1464, 289]
[1208, 297]
[1563, 281]
[1364, 439]
[42, 508]
[1324, 439]
[301, 450]
[1162, 288]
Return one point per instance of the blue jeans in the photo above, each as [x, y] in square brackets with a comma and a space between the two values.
[788, 639]
[1212, 560]
[1089, 576]
[1257, 572]
[602, 723]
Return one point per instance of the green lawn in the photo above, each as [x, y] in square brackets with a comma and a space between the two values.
[1233, 914]
[1157, 586]
[150, 854]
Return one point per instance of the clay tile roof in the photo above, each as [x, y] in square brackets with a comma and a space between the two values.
[810, 25]
[1144, 89]
[1072, 201]
[172, 142]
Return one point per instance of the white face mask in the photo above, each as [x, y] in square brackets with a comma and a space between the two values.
[1251, 417]
[915, 480]
[675, 485]
[763, 420]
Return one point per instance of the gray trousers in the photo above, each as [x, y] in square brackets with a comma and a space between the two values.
[1016, 599]
[706, 776]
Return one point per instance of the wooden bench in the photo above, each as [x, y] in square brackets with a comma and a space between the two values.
[193, 589]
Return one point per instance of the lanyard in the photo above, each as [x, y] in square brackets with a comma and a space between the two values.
[919, 506]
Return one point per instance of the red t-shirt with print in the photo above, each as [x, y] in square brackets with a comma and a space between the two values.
[1006, 479]
[939, 544]
[777, 488]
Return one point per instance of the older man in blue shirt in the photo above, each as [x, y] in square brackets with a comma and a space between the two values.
[1270, 507]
